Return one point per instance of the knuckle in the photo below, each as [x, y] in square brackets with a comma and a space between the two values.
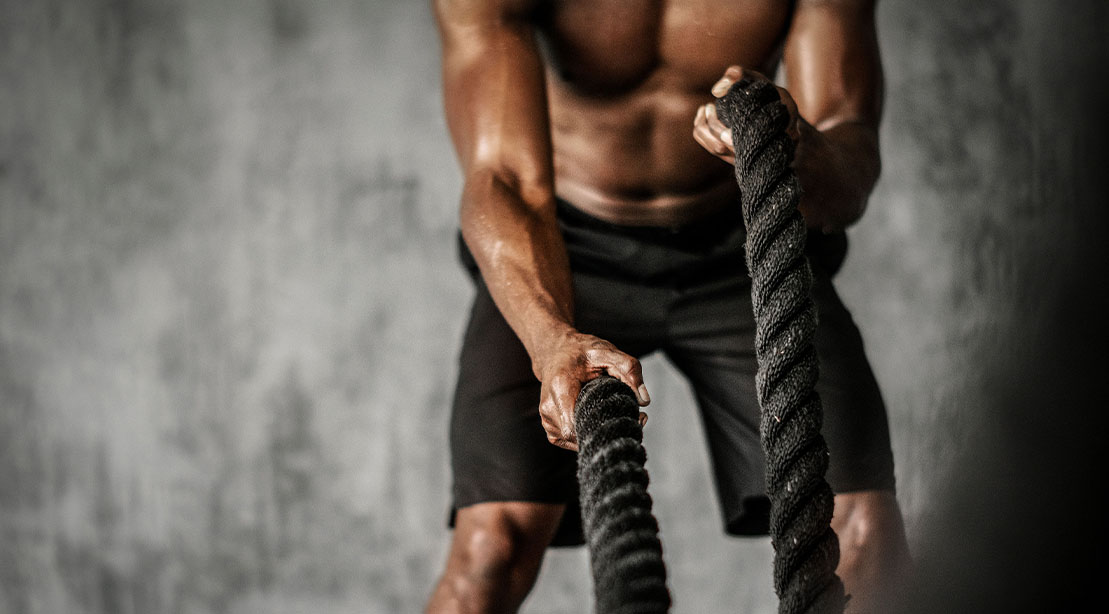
[559, 385]
[595, 354]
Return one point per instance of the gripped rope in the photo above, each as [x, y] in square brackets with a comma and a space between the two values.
[625, 553]
[624, 550]
[806, 550]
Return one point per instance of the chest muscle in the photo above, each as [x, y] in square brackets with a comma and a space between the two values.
[610, 47]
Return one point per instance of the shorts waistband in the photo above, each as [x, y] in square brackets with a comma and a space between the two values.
[712, 226]
[826, 251]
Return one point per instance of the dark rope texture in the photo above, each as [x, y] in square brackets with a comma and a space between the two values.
[624, 550]
[806, 550]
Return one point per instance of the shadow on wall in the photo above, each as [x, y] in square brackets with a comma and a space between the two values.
[1023, 526]
[229, 310]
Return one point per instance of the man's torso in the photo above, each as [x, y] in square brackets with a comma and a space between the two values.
[624, 80]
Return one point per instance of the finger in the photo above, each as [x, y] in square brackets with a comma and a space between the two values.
[707, 137]
[731, 75]
[642, 419]
[699, 117]
[710, 139]
[567, 445]
[713, 144]
[624, 368]
[554, 435]
[564, 390]
[723, 132]
[754, 74]
[553, 419]
[794, 116]
[787, 99]
[547, 410]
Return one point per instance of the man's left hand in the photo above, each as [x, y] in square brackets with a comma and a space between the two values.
[715, 137]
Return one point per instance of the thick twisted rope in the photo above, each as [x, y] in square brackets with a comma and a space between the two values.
[806, 550]
[624, 550]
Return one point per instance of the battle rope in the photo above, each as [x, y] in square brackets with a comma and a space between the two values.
[806, 550]
[624, 551]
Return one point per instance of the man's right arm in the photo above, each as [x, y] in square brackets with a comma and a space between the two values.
[495, 96]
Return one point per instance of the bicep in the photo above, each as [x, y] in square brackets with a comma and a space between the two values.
[494, 92]
[832, 63]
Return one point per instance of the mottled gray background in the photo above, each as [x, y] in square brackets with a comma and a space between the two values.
[229, 311]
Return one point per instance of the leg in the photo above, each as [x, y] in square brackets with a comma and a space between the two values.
[494, 557]
[712, 345]
[874, 555]
[713, 337]
[511, 486]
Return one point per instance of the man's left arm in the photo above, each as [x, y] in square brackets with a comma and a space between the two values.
[834, 92]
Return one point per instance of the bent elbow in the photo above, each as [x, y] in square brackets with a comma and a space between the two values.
[501, 187]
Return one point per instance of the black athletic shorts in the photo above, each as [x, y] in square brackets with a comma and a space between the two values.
[684, 292]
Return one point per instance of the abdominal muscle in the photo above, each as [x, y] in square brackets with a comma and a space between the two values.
[632, 159]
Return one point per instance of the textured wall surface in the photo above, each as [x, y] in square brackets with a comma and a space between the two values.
[229, 308]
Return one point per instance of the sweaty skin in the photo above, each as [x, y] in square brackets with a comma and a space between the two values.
[595, 101]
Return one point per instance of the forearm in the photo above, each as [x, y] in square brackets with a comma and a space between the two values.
[494, 94]
[837, 168]
[515, 240]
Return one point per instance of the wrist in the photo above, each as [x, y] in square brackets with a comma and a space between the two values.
[835, 166]
[546, 342]
[808, 140]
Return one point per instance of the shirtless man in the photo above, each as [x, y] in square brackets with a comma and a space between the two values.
[601, 224]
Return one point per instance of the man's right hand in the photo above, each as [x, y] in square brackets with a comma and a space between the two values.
[575, 359]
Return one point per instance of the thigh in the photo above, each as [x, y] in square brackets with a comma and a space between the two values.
[711, 342]
[855, 423]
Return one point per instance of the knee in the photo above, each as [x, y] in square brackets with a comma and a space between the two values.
[874, 554]
[490, 569]
[869, 527]
[490, 553]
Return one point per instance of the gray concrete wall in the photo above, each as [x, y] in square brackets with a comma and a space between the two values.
[229, 308]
